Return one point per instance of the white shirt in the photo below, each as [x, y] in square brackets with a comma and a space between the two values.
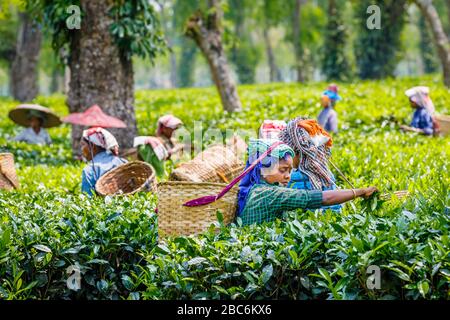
[28, 135]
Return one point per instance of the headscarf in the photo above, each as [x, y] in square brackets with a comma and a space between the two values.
[420, 95]
[102, 138]
[256, 148]
[270, 129]
[313, 144]
[332, 93]
[169, 121]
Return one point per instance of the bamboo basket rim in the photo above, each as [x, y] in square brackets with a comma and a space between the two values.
[171, 182]
[111, 172]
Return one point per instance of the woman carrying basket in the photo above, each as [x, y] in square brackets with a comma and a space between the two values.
[101, 148]
[264, 195]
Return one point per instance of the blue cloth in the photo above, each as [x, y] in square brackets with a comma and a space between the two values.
[299, 180]
[332, 95]
[103, 162]
[422, 120]
[328, 119]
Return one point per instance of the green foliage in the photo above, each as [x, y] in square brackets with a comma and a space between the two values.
[47, 226]
[245, 55]
[334, 63]
[135, 28]
[187, 62]
[8, 30]
[376, 50]
[427, 49]
[312, 27]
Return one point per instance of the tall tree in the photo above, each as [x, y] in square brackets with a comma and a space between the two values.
[298, 50]
[244, 54]
[305, 23]
[24, 68]
[22, 52]
[334, 64]
[100, 55]
[188, 49]
[206, 30]
[440, 38]
[427, 50]
[376, 50]
[168, 28]
[272, 14]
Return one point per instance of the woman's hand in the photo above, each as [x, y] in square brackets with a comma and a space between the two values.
[368, 192]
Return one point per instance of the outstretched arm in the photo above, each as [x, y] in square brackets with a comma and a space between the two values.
[340, 196]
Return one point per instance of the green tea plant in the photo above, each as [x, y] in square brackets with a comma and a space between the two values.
[49, 231]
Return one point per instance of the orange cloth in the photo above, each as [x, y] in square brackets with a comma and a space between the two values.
[313, 128]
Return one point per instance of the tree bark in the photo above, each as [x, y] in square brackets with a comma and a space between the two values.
[440, 38]
[207, 34]
[100, 73]
[274, 70]
[24, 68]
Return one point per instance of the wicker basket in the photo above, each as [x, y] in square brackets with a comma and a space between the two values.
[127, 179]
[8, 176]
[174, 219]
[216, 164]
[444, 124]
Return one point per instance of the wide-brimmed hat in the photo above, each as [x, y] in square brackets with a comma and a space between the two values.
[94, 117]
[24, 112]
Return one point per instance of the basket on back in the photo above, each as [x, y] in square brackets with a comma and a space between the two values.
[218, 163]
[127, 179]
[444, 123]
[8, 176]
[174, 219]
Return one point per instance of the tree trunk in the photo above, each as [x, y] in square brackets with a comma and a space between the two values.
[207, 34]
[440, 38]
[296, 41]
[100, 73]
[24, 68]
[274, 71]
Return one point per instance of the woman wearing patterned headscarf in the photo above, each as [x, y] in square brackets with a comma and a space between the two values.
[101, 148]
[263, 195]
[312, 146]
[422, 121]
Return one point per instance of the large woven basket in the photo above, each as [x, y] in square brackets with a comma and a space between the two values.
[127, 179]
[218, 164]
[8, 176]
[174, 219]
[444, 123]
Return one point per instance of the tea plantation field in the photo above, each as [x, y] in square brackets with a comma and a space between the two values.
[50, 233]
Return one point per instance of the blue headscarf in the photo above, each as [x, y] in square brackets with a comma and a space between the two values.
[255, 149]
[332, 95]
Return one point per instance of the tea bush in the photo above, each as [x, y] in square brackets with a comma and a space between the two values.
[47, 226]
